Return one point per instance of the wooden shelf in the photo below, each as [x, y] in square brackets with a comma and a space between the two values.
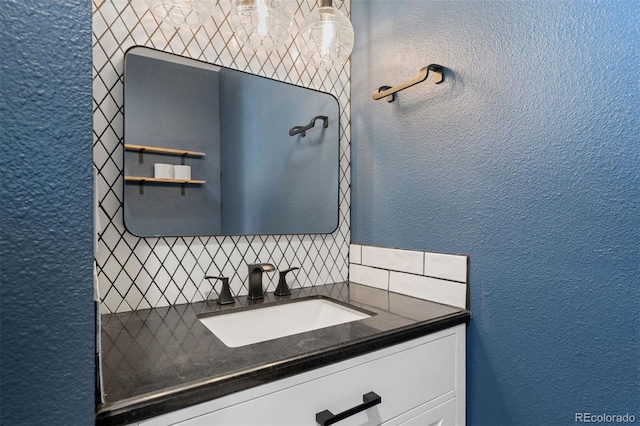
[170, 151]
[151, 179]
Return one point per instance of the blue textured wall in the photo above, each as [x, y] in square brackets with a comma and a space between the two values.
[46, 242]
[527, 158]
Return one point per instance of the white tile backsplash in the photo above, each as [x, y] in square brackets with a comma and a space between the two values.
[438, 277]
[393, 259]
[173, 268]
[355, 253]
[441, 291]
[446, 266]
[372, 277]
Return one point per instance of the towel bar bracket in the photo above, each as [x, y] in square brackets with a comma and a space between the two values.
[303, 129]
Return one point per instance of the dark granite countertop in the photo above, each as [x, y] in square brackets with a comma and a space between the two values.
[159, 360]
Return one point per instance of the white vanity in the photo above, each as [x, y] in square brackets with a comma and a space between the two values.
[420, 382]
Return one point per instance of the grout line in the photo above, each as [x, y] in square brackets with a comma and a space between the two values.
[411, 273]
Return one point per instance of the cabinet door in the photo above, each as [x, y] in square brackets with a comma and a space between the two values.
[442, 415]
[404, 381]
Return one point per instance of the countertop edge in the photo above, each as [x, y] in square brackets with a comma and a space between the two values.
[141, 408]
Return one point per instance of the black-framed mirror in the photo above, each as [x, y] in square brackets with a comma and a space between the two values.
[263, 154]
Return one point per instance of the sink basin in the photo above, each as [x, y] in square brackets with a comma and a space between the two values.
[271, 322]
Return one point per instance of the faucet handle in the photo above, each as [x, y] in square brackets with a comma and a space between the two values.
[283, 288]
[225, 297]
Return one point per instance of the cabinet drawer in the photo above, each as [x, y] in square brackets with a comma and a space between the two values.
[442, 415]
[404, 380]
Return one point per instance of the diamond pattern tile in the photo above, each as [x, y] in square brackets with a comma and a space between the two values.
[138, 273]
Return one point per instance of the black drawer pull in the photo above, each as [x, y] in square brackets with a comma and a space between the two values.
[326, 417]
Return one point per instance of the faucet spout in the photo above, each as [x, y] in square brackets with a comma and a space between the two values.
[255, 279]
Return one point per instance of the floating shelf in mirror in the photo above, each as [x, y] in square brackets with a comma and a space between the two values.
[171, 151]
[141, 149]
[233, 130]
[152, 179]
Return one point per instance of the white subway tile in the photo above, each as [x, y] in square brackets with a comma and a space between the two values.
[427, 288]
[372, 277]
[446, 266]
[355, 253]
[393, 259]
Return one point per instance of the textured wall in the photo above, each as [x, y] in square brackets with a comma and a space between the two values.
[527, 158]
[46, 243]
[138, 273]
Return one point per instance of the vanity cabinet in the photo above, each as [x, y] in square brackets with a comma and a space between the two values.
[420, 382]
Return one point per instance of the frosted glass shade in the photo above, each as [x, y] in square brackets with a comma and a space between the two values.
[181, 13]
[262, 24]
[325, 39]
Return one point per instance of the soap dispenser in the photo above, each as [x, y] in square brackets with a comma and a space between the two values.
[225, 297]
[283, 288]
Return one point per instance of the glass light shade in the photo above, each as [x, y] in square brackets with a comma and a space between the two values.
[262, 24]
[181, 13]
[325, 39]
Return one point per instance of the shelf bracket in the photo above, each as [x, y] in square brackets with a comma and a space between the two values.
[141, 187]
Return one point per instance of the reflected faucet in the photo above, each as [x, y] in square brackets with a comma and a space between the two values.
[255, 279]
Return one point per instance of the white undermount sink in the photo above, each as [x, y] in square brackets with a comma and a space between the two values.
[271, 322]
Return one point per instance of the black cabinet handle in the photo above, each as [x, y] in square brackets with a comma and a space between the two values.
[326, 417]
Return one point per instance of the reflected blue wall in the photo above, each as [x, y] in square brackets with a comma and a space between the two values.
[527, 158]
[272, 182]
[46, 235]
[171, 102]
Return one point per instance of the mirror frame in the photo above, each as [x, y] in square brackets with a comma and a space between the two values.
[210, 65]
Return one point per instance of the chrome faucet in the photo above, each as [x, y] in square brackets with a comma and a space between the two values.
[255, 279]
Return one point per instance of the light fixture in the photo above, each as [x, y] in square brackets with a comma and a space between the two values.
[181, 13]
[262, 24]
[325, 39]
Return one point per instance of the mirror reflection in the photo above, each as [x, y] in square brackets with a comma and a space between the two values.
[261, 155]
